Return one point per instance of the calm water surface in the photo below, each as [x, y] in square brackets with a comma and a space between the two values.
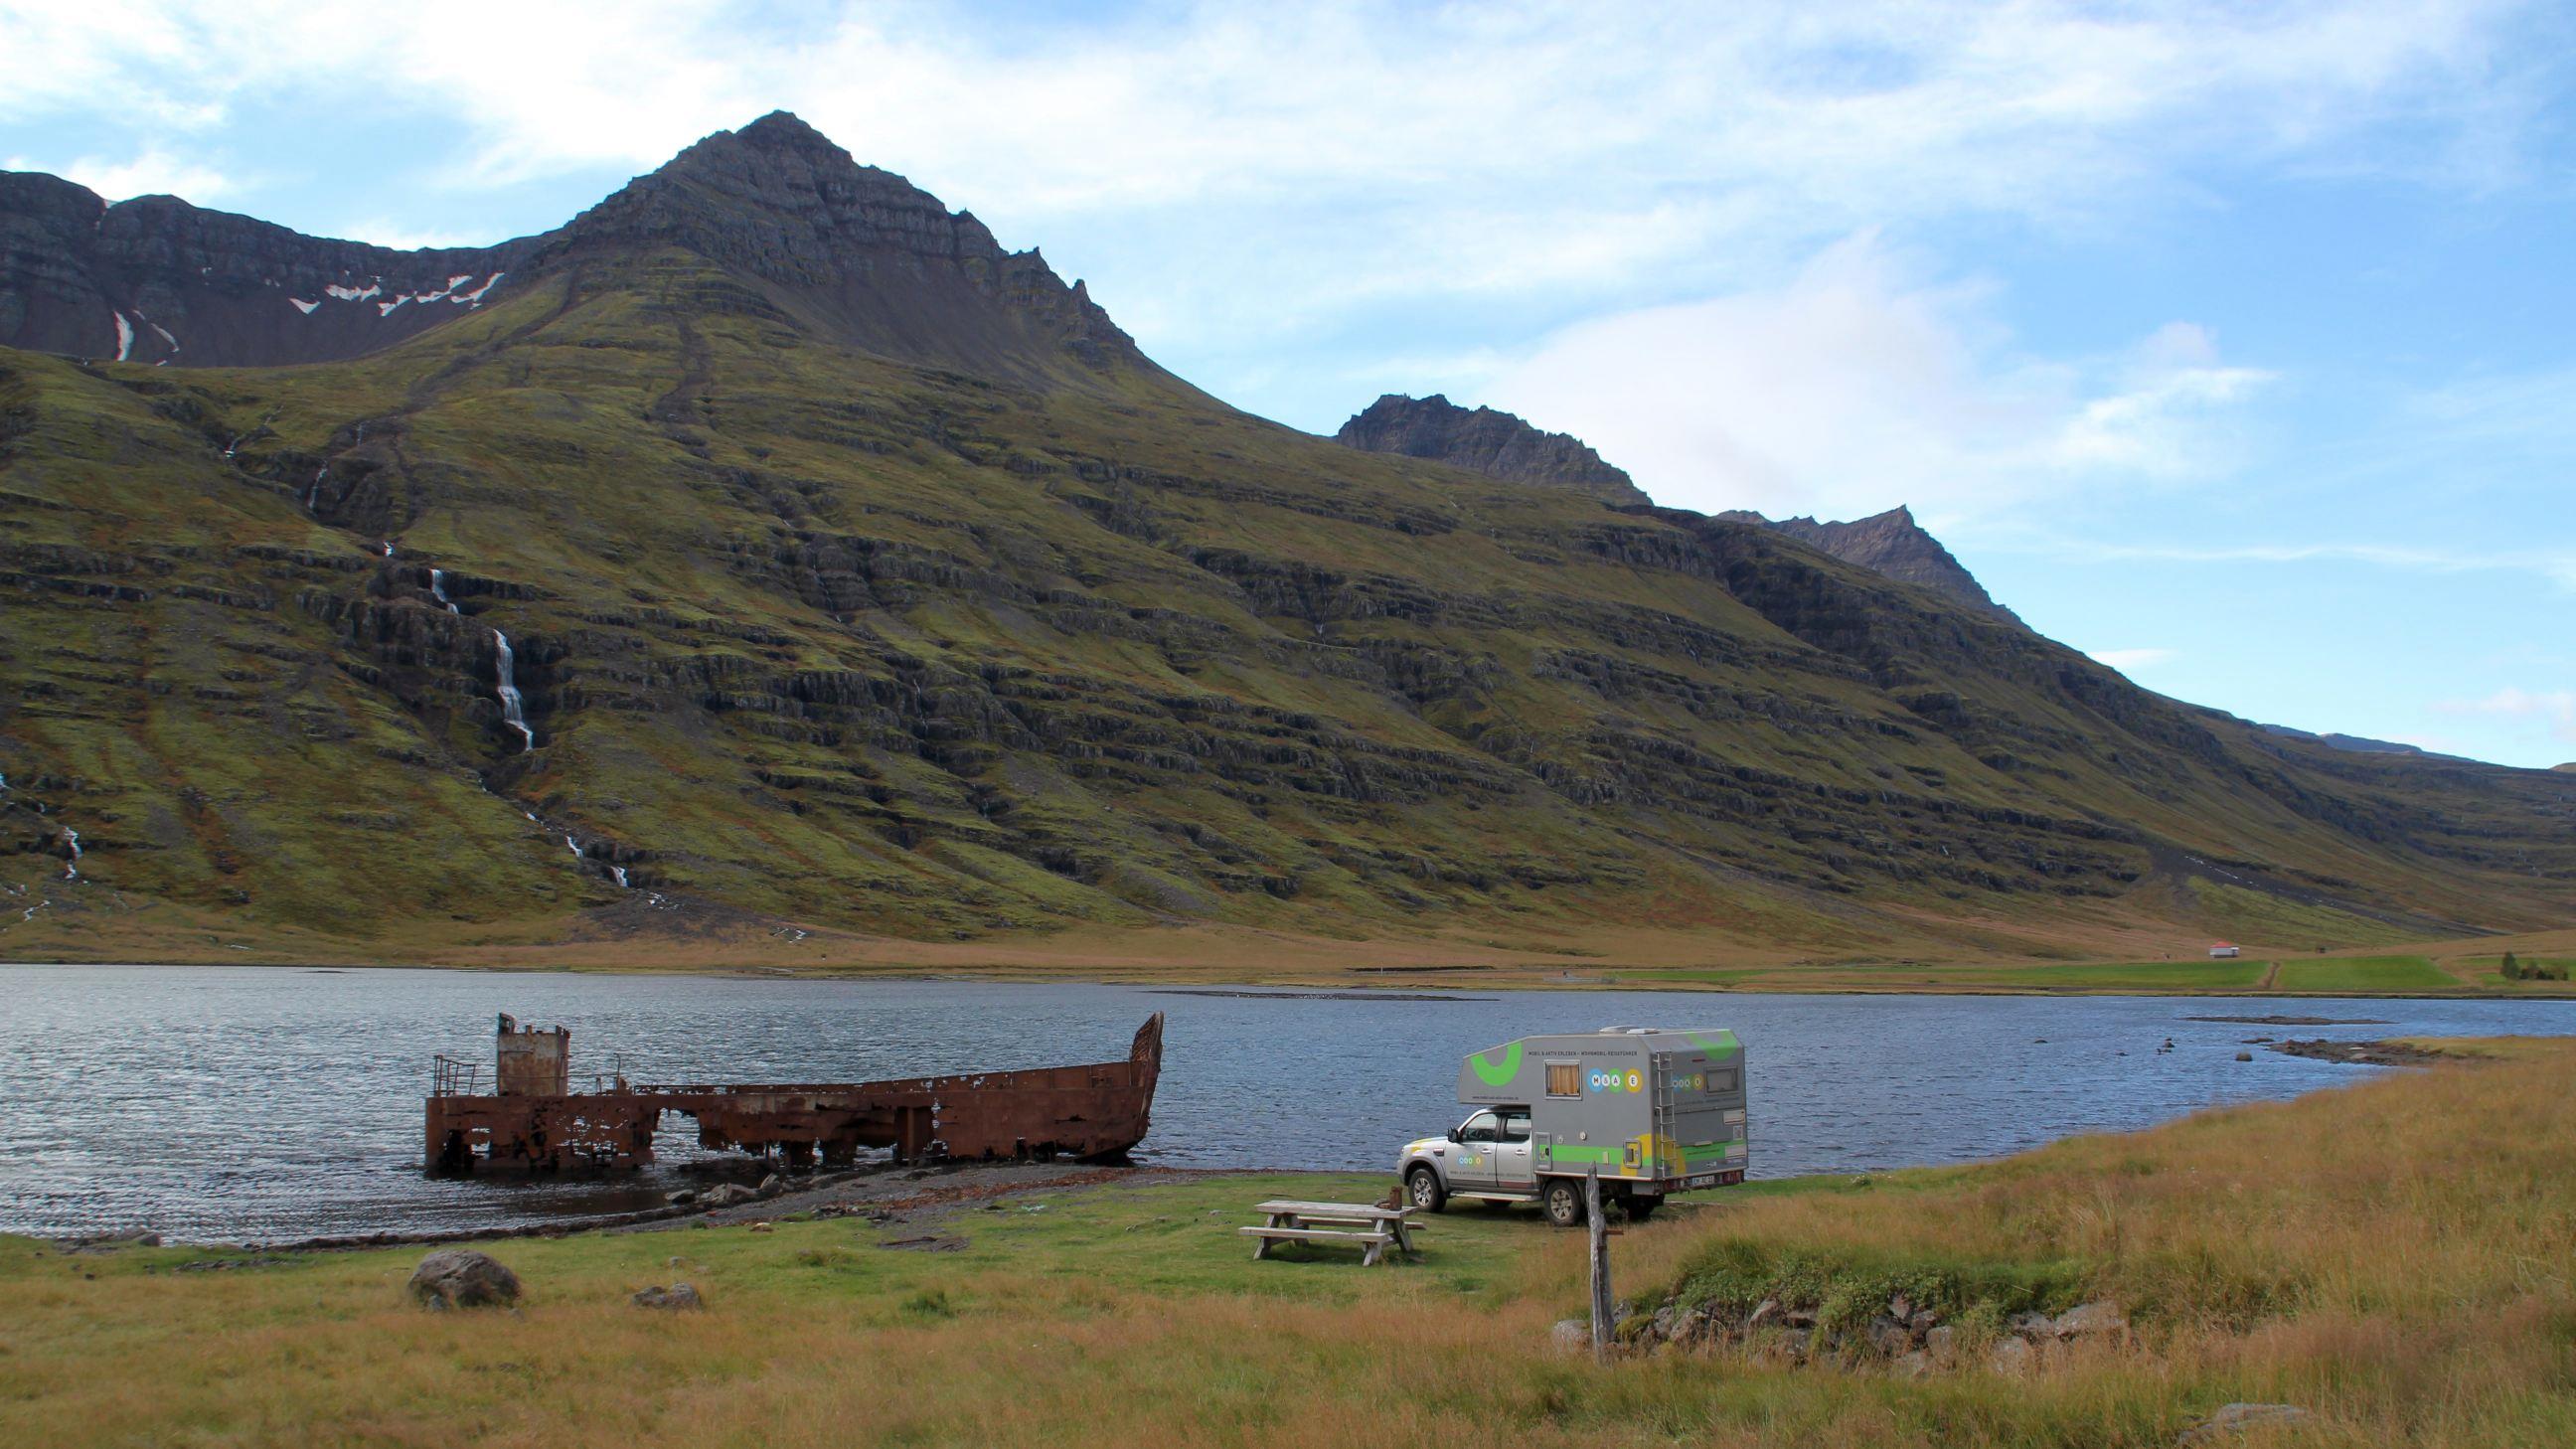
[269, 1103]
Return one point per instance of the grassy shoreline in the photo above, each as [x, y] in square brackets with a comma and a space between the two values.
[2431, 972]
[2030, 959]
[2397, 1256]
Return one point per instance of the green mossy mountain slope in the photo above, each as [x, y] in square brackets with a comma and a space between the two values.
[818, 627]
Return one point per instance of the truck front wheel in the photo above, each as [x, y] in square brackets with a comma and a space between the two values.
[1563, 1202]
[1422, 1186]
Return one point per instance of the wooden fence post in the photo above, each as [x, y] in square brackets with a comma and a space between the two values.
[1600, 1231]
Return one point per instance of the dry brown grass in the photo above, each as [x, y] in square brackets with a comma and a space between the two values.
[2395, 1256]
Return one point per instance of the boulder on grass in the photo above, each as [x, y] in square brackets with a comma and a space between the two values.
[679, 1297]
[2236, 1418]
[462, 1278]
[2086, 1319]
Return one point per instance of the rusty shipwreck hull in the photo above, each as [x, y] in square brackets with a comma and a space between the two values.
[531, 1122]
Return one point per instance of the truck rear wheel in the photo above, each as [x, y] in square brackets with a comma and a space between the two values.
[1563, 1202]
[1422, 1187]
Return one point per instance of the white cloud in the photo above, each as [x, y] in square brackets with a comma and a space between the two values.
[1322, 157]
[1860, 385]
[385, 232]
[153, 172]
[2558, 565]
[2126, 660]
[2551, 709]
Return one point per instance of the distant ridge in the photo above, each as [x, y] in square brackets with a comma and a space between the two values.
[2361, 744]
[1494, 443]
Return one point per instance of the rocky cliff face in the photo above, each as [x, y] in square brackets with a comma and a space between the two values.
[853, 251]
[1890, 543]
[1496, 444]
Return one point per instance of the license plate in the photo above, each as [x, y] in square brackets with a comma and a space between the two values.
[1712, 1179]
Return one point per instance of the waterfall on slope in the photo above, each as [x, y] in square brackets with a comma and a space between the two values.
[438, 590]
[513, 711]
[71, 866]
[616, 872]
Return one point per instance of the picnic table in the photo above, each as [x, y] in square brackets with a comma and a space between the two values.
[1374, 1226]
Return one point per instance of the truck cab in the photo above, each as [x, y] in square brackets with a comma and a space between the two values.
[1488, 1157]
[1648, 1111]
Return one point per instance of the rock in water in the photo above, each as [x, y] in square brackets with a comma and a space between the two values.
[679, 1297]
[130, 1238]
[461, 1278]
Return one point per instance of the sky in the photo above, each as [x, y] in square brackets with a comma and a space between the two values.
[2234, 345]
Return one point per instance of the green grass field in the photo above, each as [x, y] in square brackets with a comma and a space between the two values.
[2329, 975]
[2258, 1257]
[2363, 974]
[2488, 971]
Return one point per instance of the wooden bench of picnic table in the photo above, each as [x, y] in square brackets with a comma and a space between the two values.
[1377, 1227]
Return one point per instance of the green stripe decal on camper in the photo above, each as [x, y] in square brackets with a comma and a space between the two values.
[1722, 1044]
[1584, 1154]
[1498, 1075]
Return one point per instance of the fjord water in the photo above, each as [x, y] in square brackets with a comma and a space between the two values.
[270, 1103]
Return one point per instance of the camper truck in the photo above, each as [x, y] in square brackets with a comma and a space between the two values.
[1652, 1111]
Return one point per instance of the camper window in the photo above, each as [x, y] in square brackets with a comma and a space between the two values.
[1565, 1079]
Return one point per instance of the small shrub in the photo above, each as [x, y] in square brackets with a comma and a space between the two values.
[930, 1303]
[1846, 1290]
[2511, 970]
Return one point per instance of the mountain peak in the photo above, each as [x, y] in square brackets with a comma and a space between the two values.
[854, 253]
[1486, 441]
[1890, 543]
[784, 128]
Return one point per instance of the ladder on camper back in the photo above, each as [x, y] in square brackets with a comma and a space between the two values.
[1659, 1074]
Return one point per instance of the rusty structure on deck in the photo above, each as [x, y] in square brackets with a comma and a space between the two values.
[527, 1117]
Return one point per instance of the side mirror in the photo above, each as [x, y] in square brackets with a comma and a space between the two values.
[1453, 1134]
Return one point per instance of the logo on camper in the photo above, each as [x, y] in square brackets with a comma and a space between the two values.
[1616, 1081]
